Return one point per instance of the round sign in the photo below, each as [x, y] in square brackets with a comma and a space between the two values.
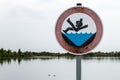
[78, 30]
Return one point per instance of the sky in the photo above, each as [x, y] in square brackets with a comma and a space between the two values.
[30, 24]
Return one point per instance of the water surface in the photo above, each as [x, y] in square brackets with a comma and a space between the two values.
[59, 69]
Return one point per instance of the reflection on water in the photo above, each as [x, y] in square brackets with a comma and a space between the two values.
[19, 60]
[9, 60]
[44, 58]
[102, 58]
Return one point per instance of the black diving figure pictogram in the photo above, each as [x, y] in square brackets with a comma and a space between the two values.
[77, 27]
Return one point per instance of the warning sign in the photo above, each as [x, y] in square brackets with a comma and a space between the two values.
[78, 30]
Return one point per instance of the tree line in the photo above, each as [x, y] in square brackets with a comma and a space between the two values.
[19, 53]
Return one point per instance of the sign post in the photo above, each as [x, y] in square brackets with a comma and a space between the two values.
[78, 30]
[78, 67]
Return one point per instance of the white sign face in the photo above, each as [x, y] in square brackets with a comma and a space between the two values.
[78, 29]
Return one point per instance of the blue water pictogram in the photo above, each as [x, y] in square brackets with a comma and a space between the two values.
[79, 39]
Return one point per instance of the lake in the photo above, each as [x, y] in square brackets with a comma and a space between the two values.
[93, 68]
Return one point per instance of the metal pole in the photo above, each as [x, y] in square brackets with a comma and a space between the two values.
[78, 67]
[78, 59]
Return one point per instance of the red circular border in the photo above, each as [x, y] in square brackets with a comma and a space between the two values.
[93, 44]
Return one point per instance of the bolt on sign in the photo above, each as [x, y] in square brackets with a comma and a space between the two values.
[78, 30]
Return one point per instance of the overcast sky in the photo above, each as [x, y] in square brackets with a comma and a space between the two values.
[30, 24]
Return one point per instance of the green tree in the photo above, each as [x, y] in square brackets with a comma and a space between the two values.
[19, 52]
